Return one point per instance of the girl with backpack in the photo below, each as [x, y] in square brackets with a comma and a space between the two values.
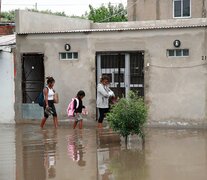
[49, 107]
[78, 109]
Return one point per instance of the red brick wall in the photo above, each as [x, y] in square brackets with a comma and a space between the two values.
[6, 30]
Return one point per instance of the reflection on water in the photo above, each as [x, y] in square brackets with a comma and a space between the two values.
[60, 154]
[167, 154]
[76, 148]
[29, 153]
[50, 141]
[116, 162]
[7, 153]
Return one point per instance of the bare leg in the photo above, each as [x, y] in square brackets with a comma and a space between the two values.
[75, 124]
[80, 124]
[100, 125]
[55, 120]
[43, 122]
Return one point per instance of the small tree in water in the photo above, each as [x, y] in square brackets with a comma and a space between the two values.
[128, 116]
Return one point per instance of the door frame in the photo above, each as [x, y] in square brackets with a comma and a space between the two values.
[22, 79]
[30, 110]
[127, 67]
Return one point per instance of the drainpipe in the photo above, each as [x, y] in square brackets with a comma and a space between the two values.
[0, 10]
[119, 74]
[203, 9]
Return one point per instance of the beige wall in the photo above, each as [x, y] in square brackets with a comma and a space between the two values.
[173, 93]
[142, 10]
[27, 21]
[7, 81]
[70, 76]
[175, 88]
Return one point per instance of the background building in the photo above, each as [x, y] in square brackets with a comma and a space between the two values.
[7, 75]
[143, 10]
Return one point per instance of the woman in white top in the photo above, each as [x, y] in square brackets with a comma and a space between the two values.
[103, 94]
[49, 107]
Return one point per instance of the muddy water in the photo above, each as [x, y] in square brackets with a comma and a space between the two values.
[28, 153]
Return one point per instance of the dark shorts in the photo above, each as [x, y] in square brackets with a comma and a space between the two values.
[52, 106]
[102, 114]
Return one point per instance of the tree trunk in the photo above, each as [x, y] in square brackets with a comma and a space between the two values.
[126, 140]
[142, 138]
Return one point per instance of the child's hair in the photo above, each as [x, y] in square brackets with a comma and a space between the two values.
[81, 93]
[105, 77]
[50, 79]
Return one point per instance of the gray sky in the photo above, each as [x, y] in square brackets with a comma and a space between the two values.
[70, 7]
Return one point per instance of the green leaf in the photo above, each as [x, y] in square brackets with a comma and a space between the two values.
[108, 13]
[128, 116]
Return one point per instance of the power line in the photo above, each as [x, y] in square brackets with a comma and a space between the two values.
[0, 10]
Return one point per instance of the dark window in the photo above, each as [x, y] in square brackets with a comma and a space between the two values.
[171, 52]
[68, 56]
[118, 77]
[63, 55]
[182, 8]
[112, 61]
[75, 55]
[122, 76]
[185, 52]
[136, 68]
[177, 8]
[178, 52]
[186, 7]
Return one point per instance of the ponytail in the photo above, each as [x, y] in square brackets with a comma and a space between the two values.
[50, 79]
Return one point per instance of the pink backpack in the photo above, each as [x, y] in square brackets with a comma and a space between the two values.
[71, 109]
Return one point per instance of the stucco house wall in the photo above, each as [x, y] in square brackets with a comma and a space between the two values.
[7, 85]
[175, 87]
[32, 21]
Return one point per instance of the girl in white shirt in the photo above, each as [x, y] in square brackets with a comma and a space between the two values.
[49, 107]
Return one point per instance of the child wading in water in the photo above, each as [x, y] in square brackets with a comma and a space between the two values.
[79, 109]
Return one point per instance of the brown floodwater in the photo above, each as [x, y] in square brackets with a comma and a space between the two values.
[29, 153]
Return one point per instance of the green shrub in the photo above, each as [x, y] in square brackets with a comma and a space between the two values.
[128, 116]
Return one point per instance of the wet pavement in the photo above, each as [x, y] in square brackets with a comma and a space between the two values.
[29, 153]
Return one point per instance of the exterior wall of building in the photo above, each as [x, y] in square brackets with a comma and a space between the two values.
[171, 84]
[143, 10]
[47, 23]
[7, 84]
[70, 76]
[175, 88]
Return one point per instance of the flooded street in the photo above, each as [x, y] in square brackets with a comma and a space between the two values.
[29, 153]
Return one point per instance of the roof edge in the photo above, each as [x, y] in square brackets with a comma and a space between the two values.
[118, 29]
